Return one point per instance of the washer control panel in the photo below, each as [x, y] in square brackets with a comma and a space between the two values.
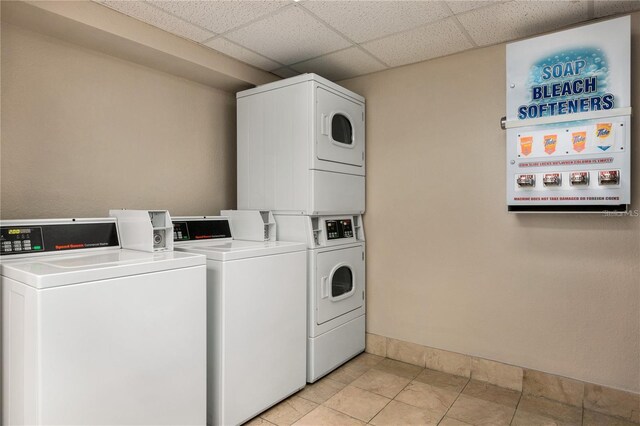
[47, 237]
[20, 240]
[339, 228]
[195, 229]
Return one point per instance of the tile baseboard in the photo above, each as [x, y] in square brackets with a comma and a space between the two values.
[601, 399]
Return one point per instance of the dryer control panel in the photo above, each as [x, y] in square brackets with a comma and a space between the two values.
[320, 231]
[336, 230]
[341, 228]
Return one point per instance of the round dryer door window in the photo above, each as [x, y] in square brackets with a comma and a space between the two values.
[341, 282]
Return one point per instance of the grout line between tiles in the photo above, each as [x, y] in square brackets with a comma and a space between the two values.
[516, 410]
[454, 401]
[265, 420]
[345, 414]
[317, 381]
[377, 412]
[385, 406]
[307, 399]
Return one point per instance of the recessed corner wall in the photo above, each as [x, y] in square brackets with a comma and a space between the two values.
[83, 132]
[449, 268]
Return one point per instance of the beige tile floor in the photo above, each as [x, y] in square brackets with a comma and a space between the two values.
[379, 391]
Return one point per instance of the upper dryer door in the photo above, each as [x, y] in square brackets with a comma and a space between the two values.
[339, 130]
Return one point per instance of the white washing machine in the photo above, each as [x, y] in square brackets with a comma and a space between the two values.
[301, 147]
[336, 287]
[256, 318]
[94, 334]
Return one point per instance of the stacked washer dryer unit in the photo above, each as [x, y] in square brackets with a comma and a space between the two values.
[301, 155]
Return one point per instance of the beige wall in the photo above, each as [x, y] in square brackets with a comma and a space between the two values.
[83, 132]
[449, 268]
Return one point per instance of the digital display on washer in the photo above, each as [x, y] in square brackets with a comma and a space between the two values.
[201, 230]
[57, 237]
[180, 231]
[339, 229]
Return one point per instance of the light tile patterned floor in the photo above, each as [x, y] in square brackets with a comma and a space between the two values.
[379, 391]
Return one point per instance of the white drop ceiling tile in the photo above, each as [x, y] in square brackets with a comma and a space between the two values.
[366, 20]
[517, 19]
[614, 7]
[235, 51]
[340, 65]
[289, 36]
[220, 15]
[153, 16]
[461, 6]
[438, 39]
[285, 72]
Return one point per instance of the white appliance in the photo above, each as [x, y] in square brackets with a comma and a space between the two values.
[95, 334]
[335, 287]
[301, 147]
[256, 318]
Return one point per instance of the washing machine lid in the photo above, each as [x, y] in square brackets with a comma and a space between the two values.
[65, 269]
[238, 249]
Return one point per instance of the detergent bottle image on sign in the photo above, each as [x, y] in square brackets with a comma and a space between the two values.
[578, 140]
[550, 142]
[603, 133]
[525, 145]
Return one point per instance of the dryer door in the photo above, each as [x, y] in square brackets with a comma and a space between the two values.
[340, 282]
[339, 129]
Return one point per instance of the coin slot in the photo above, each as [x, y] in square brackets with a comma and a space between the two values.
[609, 177]
[526, 181]
[552, 179]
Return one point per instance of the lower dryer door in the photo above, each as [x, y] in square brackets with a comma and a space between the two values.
[339, 282]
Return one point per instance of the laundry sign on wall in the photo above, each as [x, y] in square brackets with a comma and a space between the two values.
[568, 120]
